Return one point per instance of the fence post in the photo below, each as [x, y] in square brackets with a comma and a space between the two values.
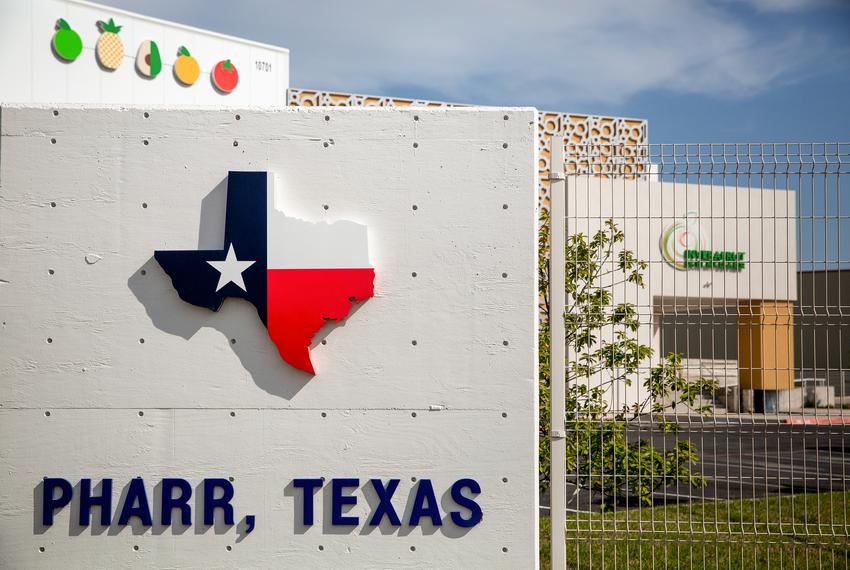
[557, 341]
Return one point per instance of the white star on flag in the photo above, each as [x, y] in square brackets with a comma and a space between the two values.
[231, 270]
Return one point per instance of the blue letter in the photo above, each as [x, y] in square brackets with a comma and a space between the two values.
[308, 485]
[48, 503]
[425, 491]
[136, 490]
[385, 506]
[338, 500]
[223, 502]
[474, 510]
[104, 501]
[169, 502]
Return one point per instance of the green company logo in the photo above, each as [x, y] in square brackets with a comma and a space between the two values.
[683, 246]
[714, 259]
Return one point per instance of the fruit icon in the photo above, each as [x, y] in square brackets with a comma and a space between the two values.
[110, 48]
[66, 42]
[225, 77]
[148, 61]
[186, 68]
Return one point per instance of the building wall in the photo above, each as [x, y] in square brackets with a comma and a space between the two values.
[607, 146]
[822, 335]
[435, 377]
[32, 73]
[757, 221]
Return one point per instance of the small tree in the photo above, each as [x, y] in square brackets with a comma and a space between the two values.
[600, 456]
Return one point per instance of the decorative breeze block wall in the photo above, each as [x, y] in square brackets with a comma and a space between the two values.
[605, 146]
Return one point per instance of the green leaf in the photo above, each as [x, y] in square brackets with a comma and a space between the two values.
[109, 26]
[603, 344]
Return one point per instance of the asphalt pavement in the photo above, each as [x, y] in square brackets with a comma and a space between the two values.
[750, 461]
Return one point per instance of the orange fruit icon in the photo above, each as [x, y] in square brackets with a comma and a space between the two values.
[186, 68]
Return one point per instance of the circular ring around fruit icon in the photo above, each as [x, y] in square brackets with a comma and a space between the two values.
[225, 77]
[186, 68]
[66, 42]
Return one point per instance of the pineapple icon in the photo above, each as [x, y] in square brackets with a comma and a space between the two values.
[110, 48]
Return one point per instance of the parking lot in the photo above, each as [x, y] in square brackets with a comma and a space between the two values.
[751, 461]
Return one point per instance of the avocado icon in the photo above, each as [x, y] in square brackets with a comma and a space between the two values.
[148, 61]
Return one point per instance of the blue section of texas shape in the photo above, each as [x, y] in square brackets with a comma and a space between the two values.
[245, 228]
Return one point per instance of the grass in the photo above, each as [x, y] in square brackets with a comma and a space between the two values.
[799, 531]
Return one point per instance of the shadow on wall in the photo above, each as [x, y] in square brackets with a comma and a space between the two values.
[323, 504]
[237, 319]
[136, 526]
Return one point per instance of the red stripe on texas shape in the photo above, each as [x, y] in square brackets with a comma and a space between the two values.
[300, 301]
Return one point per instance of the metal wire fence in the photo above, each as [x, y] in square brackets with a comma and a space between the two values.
[707, 342]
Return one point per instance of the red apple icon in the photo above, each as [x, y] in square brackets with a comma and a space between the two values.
[225, 77]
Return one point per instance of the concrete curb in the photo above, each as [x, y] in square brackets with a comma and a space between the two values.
[819, 421]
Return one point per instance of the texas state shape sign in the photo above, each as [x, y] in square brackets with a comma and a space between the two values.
[297, 274]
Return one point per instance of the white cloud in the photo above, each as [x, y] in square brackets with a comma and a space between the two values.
[786, 5]
[507, 52]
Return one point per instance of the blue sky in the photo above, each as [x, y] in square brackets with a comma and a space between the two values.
[721, 71]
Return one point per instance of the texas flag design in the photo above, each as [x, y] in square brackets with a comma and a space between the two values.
[298, 274]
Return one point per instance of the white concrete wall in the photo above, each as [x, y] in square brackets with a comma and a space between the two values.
[76, 266]
[760, 222]
[32, 74]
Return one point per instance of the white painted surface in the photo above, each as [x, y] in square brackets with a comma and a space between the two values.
[32, 74]
[339, 245]
[758, 221]
[474, 396]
